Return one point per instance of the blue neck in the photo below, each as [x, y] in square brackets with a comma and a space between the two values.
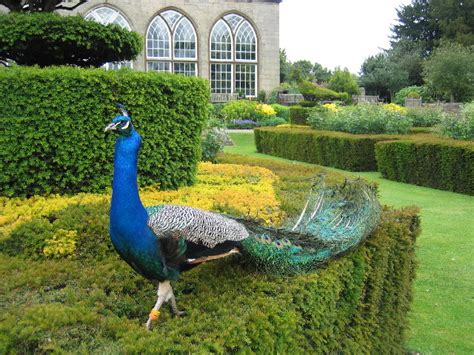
[126, 204]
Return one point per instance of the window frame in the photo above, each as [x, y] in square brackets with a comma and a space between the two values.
[171, 31]
[234, 61]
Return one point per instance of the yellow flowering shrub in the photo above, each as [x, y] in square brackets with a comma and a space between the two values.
[227, 188]
[331, 107]
[395, 108]
[239, 190]
[265, 110]
[63, 243]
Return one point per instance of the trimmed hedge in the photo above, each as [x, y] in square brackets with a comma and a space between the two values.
[299, 115]
[356, 304]
[439, 163]
[340, 150]
[52, 135]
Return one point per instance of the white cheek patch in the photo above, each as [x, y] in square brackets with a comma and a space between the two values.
[126, 125]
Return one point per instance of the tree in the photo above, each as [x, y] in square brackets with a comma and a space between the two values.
[38, 5]
[450, 71]
[321, 74]
[285, 66]
[417, 26]
[381, 75]
[301, 70]
[49, 39]
[456, 20]
[344, 81]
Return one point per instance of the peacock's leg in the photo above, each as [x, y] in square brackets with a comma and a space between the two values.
[165, 294]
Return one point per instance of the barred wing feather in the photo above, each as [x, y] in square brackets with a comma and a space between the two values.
[194, 225]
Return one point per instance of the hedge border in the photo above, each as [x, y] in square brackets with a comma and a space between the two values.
[439, 163]
[336, 149]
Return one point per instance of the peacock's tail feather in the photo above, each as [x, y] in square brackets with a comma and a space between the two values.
[333, 221]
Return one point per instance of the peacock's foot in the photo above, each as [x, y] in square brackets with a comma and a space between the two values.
[165, 294]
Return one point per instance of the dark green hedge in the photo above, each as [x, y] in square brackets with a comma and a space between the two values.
[52, 136]
[357, 304]
[299, 115]
[429, 161]
[340, 150]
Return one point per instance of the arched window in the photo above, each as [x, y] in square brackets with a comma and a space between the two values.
[106, 15]
[233, 55]
[171, 44]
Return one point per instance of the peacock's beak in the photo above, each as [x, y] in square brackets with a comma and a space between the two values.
[111, 126]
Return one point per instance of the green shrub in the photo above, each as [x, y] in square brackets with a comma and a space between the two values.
[339, 150]
[355, 304]
[459, 126]
[361, 119]
[425, 116]
[212, 141]
[246, 110]
[413, 92]
[312, 92]
[270, 122]
[59, 145]
[299, 115]
[305, 103]
[46, 39]
[428, 161]
[282, 111]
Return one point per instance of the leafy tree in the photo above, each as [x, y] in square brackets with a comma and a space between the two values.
[416, 25]
[381, 75]
[285, 66]
[48, 39]
[38, 5]
[455, 19]
[450, 71]
[343, 81]
[301, 70]
[321, 74]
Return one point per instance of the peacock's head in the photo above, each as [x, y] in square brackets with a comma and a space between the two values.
[121, 125]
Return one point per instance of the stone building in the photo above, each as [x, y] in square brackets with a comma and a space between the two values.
[232, 43]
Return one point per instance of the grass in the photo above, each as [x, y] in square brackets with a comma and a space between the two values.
[442, 316]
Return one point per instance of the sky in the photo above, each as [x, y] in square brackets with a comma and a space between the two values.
[336, 32]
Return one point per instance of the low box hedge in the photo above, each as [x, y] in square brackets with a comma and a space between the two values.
[439, 163]
[52, 136]
[340, 150]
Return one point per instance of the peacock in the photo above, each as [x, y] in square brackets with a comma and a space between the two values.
[160, 242]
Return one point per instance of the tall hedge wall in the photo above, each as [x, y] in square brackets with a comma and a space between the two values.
[340, 150]
[52, 137]
[440, 163]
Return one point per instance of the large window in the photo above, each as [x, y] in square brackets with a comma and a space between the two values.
[106, 15]
[171, 44]
[233, 55]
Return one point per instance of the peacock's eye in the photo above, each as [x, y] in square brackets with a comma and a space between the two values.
[125, 124]
[278, 244]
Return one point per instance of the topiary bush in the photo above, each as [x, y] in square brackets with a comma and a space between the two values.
[339, 150]
[52, 132]
[429, 161]
[313, 92]
[46, 39]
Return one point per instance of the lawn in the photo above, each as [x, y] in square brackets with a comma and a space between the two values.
[442, 318]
